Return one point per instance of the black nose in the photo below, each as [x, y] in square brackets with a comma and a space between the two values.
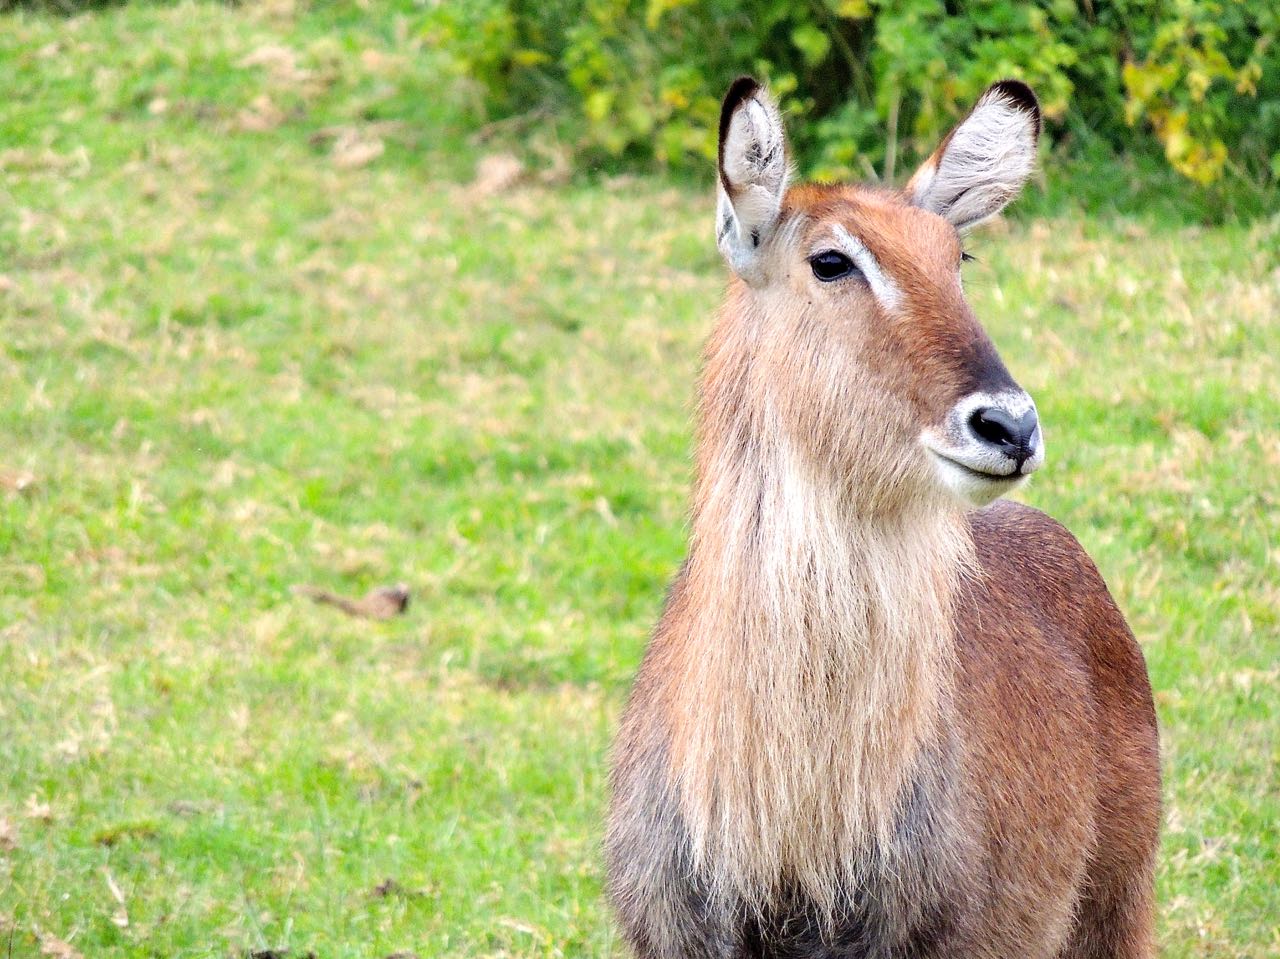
[1000, 429]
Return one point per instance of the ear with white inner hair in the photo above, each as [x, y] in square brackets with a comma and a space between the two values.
[753, 175]
[984, 162]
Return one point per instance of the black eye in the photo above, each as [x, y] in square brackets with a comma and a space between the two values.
[968, 258]
[830, 265]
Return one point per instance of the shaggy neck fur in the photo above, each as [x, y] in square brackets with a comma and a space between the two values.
[817, 658]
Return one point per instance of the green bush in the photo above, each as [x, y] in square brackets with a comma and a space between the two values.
[871, 84]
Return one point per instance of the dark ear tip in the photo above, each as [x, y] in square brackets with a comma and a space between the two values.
[741, 90]
[1020, 95]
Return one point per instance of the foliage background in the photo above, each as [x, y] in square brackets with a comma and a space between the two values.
[867, 82]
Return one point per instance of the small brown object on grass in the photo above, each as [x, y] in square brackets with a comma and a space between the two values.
[384, 602]
[55, 948]
[497, 173]
[17, 481]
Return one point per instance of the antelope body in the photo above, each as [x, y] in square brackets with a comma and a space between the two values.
[880, 718]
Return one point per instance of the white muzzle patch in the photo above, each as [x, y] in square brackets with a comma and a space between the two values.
[987, 445]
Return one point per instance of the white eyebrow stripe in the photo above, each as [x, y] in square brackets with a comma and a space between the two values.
[887, 292]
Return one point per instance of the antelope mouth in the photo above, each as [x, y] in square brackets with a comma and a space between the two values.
[1010, 478]
[973, 484]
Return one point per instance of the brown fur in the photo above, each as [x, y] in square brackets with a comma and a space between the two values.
[871, 724]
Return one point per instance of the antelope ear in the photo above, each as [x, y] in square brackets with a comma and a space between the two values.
[984, 162]
[753, 174]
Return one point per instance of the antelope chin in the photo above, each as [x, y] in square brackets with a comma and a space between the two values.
[974, 484]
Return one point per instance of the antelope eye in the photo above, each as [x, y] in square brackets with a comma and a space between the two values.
[831, 265]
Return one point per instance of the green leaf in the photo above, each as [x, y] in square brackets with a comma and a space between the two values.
[813, 44]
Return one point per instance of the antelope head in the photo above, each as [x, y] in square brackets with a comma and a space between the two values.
[849, 304]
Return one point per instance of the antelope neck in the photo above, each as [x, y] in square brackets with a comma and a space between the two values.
[817, 660]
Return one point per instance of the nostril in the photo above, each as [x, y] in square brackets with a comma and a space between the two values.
[1011, 435]
[995, 426]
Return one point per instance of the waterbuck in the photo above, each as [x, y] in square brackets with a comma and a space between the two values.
[883, 716]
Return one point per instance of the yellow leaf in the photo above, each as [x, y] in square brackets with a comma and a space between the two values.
[598, 104]
[1198, 83]
[676, 99]
[659, 8]
[1247, 79]
[530, 58]
[853, 9]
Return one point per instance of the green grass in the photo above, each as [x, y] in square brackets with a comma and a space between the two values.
[233, 359]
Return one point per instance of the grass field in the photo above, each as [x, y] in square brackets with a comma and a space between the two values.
[257, 330]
